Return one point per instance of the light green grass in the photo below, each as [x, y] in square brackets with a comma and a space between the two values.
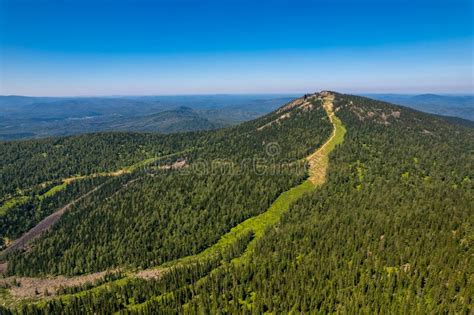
[7, 205]
[53, 191]
[338, 138]
[258, 225]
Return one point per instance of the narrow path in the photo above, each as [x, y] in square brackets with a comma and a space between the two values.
[319, 160]
[43, 225]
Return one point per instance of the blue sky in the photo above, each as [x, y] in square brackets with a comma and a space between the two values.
[107, 47]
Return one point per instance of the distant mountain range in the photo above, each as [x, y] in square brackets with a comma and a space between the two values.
[461, 106]
[36, 117]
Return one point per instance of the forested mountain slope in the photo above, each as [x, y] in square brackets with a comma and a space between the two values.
[391, 228]
[32, 162]
[166, 214]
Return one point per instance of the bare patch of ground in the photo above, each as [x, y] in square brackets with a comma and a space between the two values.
[149, 274]
[318, 161]
[377, 115]
[301, 103]
[179, 164]
[276, 121]
[291, 105]
[74, 178]
[26, 287]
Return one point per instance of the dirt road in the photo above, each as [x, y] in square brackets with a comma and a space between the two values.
[43, 225]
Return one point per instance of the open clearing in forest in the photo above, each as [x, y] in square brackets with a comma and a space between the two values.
[27, 287]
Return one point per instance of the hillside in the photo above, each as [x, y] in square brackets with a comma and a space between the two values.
[332, 202]
[232, 146]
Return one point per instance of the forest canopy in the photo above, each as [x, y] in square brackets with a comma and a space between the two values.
[391, 228]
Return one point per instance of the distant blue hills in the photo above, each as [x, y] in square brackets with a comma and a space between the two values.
[23, 117]
[461, 106]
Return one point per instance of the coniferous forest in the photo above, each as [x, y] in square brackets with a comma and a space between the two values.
[391, 229]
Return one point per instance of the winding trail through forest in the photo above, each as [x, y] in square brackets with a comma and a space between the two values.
[318, 166]
[258, 225]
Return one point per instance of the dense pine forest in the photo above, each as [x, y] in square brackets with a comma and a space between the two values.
[29, 163]
[391, 230]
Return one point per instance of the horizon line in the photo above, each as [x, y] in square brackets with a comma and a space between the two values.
[411, 93]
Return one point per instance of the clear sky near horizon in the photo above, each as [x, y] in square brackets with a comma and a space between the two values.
[157, 47]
